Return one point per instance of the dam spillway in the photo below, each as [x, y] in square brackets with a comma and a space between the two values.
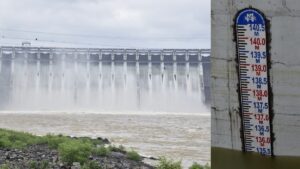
[81, 79]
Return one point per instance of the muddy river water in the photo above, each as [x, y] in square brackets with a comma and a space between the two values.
[155, 108]
[183, 137]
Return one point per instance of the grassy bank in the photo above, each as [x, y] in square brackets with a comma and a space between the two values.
[78, 150]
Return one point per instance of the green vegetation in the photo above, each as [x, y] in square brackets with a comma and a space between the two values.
[75, 151]
[44, 164]
[33, 165]
[39, 165]
[101, 151]
[70, 149]
[91, 165]
[164, 163]
[54, 141]
[120, 149]
[133, 155]
[198, 166]
[20, 140]
[4, 166]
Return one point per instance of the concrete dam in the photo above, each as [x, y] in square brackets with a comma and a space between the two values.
[108, 80]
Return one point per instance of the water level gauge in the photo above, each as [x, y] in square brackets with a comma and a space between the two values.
[254, 85]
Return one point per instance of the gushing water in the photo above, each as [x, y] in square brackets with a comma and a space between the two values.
[156, 108]
[74, 85]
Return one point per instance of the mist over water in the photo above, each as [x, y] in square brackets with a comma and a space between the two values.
[155, 108]
[74, 86]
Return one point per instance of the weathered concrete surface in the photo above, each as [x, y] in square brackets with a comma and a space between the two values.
[284, 16]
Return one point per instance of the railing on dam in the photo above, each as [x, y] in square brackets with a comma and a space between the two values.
[106, 55]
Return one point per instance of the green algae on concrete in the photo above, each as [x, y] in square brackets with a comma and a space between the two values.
[232, 159]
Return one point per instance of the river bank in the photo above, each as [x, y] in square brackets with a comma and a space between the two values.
[183, 137]
[20, 150]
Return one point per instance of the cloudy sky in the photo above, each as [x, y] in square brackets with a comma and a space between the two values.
[106, 23]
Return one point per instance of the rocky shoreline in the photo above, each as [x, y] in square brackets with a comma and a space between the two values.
[19, 150]
[42, 157]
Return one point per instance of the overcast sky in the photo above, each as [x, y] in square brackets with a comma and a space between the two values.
[106, 23]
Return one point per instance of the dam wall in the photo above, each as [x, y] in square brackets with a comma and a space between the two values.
[283, 17]
[103, 80]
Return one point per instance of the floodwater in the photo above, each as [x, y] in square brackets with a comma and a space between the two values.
[183, 137]
[95, 86]
[156, 109]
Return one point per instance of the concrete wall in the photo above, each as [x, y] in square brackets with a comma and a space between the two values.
[284, 16]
